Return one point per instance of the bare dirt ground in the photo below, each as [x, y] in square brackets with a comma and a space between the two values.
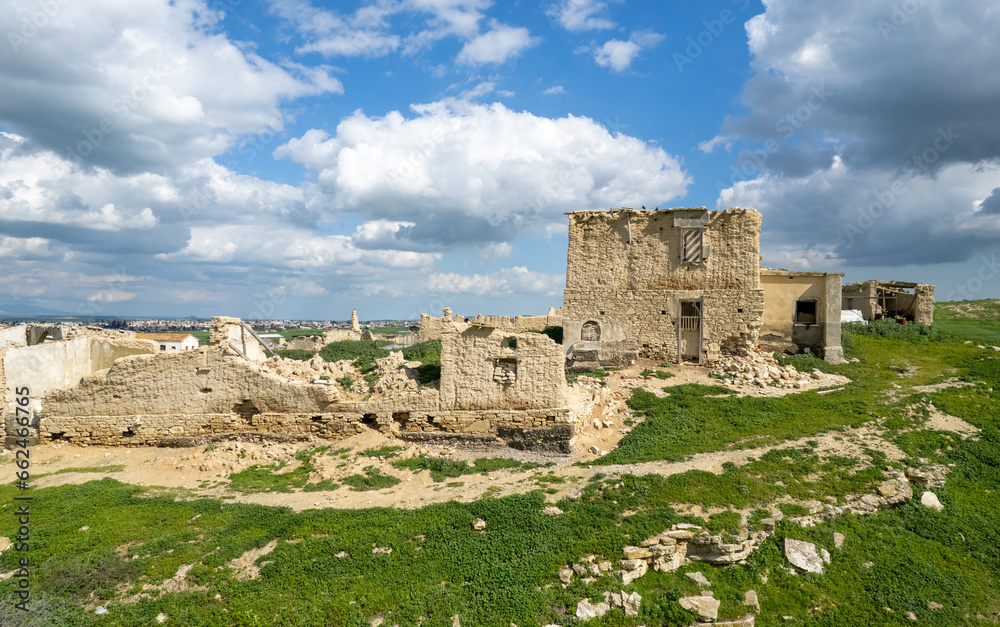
[603, 420]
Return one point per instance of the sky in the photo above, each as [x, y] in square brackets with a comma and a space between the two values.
[300, 159]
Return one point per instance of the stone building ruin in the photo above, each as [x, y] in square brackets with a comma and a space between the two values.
[891, 299]
[686, 285]
[496, 386]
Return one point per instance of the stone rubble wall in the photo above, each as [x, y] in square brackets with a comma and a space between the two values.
[486, 368]
[731, 319]
[601, 257]
[147, 399]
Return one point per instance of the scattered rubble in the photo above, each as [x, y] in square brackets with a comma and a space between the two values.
[759, 369]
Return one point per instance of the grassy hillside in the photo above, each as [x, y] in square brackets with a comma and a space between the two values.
[99, 542]
[973, 319]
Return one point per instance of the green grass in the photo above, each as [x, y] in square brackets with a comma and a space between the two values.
[440, 567]
[429, 355]
[441, 468]
[265, 478]
[383, 451]
[201, 335]
[100, 469]
[295, 353]
[372, 479]
[362, 353]
[974, 319]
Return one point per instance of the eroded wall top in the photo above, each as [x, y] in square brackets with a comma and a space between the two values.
[625, 249]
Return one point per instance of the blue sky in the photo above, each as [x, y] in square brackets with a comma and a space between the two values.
[297, 159]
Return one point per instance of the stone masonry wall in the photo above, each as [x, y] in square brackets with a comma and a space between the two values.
[731, 318]
[480, 369]
[141, 400]
[602, 258]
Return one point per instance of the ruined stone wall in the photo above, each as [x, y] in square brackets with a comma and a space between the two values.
[51, 365]
[602, 257]
[431, 327]
[210, 393]
[490, 369]
[16, 334]
[924, 309]
[339, 335]
[731, 319]
[230, 333]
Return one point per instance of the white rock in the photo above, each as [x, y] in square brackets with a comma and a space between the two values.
[631, 603]
[707, 608]
[803, 555]
[929, 499]
[585, 610]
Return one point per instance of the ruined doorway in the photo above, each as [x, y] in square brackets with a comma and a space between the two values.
[689, 324]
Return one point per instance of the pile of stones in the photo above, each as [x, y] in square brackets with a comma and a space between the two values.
[761, 370]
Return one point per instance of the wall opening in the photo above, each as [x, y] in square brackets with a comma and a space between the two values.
[805, 312]
[590, 332]
[246, 409]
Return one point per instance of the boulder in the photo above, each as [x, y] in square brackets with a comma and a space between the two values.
[706, 608]
[585, 610]
[929, 499]
[803, 555]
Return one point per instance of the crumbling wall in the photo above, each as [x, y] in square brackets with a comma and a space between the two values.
[624, 249]
[868, 296]
[431, 327]
[924, 309]
[489, 369]
[213, 392]
[339, 335]
[626, 278]
[16, 334]
[233, 335]
[52, 365]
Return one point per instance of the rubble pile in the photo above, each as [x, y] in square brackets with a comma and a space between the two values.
[233, 457]
[395, 374]
[313, 371]
[759, 369]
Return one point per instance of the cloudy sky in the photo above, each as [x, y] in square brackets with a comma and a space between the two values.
[298, 158]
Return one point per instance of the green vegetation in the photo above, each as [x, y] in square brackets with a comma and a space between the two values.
[429, 355]
[900, 559]
[201, 335]
[362, 353]
[442, 469]
[100, 469]
[974, 319]
[372, 479]
[345, 382]
[267, 478]
[295, 353]
[383, 451]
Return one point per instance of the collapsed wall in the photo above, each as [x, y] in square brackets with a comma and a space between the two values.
[215, 391]
[881, 299]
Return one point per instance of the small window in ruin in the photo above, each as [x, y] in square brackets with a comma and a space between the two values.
[805, 312]
[504, 370]
[163, 347]
[591, 332]
[691, 245]
[512, 342]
